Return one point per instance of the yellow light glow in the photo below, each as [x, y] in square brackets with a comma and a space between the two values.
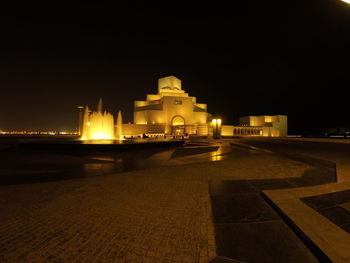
[178, 120]
[215, 158]
[219, 121]
[98, 126]
[346, 1]
[268, 119]
[213, 121]
[217, 155]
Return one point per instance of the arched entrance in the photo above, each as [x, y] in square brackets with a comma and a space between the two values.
[178, 125]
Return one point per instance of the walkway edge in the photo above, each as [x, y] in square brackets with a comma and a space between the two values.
[326, 240]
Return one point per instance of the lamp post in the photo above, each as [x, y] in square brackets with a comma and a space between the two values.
[219, 128]
[216, 128]
[214, 122]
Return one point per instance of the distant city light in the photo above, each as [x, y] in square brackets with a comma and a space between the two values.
[37, 133]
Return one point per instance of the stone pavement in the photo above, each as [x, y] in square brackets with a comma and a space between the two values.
[159, 214]
[320, 213]
[334, 150]
[245, 222]
[153, 216]
[335, 206]
[301, 209]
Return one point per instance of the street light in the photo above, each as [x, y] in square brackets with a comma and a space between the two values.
[216, 128]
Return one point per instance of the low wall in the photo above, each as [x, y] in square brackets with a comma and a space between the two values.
[139, 129]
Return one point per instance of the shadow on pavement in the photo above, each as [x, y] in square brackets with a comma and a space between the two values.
[248, 229]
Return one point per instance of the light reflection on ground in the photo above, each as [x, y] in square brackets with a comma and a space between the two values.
[29, 167]
[102, 141]
[122, 141]
[216, 157]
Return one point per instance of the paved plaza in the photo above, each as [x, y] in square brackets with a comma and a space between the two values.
[205, 202]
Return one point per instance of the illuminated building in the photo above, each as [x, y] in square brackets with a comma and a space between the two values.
[266, 125]
[173, 110]
[275, 126]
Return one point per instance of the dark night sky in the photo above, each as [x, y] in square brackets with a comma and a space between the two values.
[250, 58]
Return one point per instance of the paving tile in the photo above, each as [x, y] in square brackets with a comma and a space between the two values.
[337, 215]
[181, 152]
[346, 206]
[314, 176]
[339, 197]
[261, 242]
[241, 208]
[346, 228]
[270, 184]
[224, 260]
[231, 187]
[308, 180]
[318, 202]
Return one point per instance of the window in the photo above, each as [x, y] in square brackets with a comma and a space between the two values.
[178, 102]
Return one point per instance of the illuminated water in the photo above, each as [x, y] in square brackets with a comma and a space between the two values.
[97, 125]
[119, 134]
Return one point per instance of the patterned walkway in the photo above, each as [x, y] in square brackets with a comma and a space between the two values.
[159, 214]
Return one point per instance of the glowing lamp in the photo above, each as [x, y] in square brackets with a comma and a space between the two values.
[214, 121]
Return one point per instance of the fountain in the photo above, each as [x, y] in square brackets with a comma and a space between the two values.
[97, 125]
[98, 134]
[85, 124]
[119, 134]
